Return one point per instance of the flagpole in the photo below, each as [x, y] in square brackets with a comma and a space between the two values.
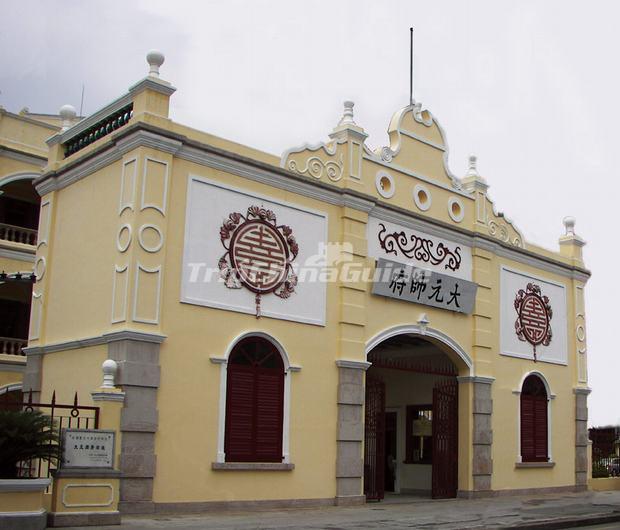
[411, 67]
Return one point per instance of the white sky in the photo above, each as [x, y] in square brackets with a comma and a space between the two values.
[530, 87]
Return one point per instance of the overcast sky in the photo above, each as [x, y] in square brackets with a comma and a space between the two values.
[530, 87]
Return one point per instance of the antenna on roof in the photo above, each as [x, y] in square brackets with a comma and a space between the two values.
[81, 101]
[411, 66]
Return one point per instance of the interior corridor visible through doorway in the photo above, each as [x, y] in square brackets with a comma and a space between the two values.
[411, 420]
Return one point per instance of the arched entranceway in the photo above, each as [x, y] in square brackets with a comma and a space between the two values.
[411, 415]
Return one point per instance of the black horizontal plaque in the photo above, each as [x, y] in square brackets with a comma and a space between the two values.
[421, 286]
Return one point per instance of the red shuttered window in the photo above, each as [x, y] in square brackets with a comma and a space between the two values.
[254, 402]
[534, 420]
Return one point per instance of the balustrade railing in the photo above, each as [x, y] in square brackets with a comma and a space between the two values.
[100, 129]
[18, 234]
[12, 346]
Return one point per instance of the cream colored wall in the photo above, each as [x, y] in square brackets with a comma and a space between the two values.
[508, 373]
[188, 398]
[9, 166]
[14, 265]
[71, 371]
[9, 377]
[79, 261]
[23, 134]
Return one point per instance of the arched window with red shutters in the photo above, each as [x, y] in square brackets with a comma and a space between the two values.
[254, 402]
[534, 420]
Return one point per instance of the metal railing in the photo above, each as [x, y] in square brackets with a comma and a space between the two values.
[73, 416]
[18, 234]
[12, 346]
[102, 128]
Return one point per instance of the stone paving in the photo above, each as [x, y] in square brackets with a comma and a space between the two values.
[525, 512]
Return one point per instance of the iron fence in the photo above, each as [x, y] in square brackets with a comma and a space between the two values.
[605, 451]
[63, 416]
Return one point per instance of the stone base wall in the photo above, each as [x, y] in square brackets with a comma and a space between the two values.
[138, 376]
[350, 433]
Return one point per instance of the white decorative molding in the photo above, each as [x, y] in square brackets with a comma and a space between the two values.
[87, 505]
[291, 182]
[414, 329]
[35, 315]
[355, 365]
[456, 209]
[154, 317]
[128, 186]
[315, 166]
[24, 484]
[87, 342]
[223, 362]
[500, 231]
[119, 314]
[418, 190]
[43, 233]
[156, 229]
[28, 256]
[550, 397]
[118, 397]
[383, 177]
[40, 268]
[385, 155]
[161, 206]
[122, 247]
[15, 177]
[372, 157]
[12, 387]
[355, 160]
[480, 379]
[580, 335]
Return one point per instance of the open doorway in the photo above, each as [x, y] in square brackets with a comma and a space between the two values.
[411, 421]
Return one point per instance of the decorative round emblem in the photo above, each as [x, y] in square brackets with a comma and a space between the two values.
[258, 254]
[533, 316]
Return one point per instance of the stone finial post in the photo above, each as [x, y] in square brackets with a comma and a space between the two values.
[347, 115]
[571, 245]
[569, 225]
[155, 59]
[473, 181]
[109, 368]
[67, 114]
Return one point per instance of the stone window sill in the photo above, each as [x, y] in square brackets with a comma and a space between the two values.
[527, 465]
[251, 466]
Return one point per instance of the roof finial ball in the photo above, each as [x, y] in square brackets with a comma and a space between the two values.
[67, 114]
[155, 59]
[569, 225]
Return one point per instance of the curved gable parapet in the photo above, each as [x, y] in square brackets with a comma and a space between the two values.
[418, 144]
[324, 160]
[502, 228]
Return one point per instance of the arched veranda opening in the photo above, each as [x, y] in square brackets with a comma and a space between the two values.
[411, 417]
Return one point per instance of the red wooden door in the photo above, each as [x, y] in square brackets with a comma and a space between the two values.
[374, 440]
[445, 439]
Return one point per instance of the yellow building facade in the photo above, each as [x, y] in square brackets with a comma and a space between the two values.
[316, 328]
[23, 155]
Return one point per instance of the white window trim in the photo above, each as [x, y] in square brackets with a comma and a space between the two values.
[550, 398]
[11, 387]
[288, 369]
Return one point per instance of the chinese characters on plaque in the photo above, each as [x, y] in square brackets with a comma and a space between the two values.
[87, 448]
[421, 286]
